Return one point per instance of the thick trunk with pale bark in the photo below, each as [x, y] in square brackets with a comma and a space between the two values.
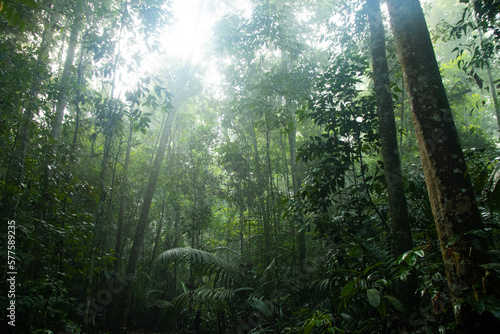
[452, 198]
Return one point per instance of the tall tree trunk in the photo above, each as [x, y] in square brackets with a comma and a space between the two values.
[64, 79]
[110, 313]
[263, 205]
[144, 216]
[491, 84]
[296, 181]
[16, 166]
[45, 207]
[494, 95]
[109, 115]
[399, 223]
[148, 197]
[123, 199]
[450, 191]
[159, 227]
[99, 215]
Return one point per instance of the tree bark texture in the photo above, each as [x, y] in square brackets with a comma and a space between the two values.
[390, 154]
[449, 188]
[400, 225]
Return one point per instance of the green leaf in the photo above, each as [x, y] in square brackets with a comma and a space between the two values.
[158, 90]
[349, 290]
[373, 297]
[494, 310]
[494, 266]
[347, 317]
[260, 306]
[180, 302]
[206, 262]
[308, 326]
[371, 267]
[396, 303]
[410, 257]
[29, 3]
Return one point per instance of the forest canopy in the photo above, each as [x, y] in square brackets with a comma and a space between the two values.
[250, 166]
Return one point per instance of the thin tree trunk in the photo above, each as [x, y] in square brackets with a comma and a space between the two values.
[123, 200]
[78, 98]
[292, 147]
[491, 83]
[450, 191]
[494, 95]
[158, 229]
[144, 216]
[109, 116]
[99, 216]
[110, 314]
[50, 154]
[15, 171]
[64, 80]
[266, 250]
[148, 197]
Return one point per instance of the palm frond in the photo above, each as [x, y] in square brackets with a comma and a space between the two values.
[218, 294]
[261, 306]
[158, 303]
[203, 261]
[180, 302]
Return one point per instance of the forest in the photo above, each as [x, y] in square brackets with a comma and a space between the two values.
[250, 166]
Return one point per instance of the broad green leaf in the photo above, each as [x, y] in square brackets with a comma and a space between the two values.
[308, 326]
[495, 311]
[371, 267]
[260, 306]
[396, 303]
[373, 297]
[349, 290]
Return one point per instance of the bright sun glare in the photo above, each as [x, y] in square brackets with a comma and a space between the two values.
[190, 28]
[186, 37]
[193, 24]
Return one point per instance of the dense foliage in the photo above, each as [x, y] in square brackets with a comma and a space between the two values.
[144, 196]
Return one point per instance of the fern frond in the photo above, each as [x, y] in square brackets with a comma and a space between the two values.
[202, 261]
[218, 294]
[262, 307]
[180, 302]
[159, 303]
